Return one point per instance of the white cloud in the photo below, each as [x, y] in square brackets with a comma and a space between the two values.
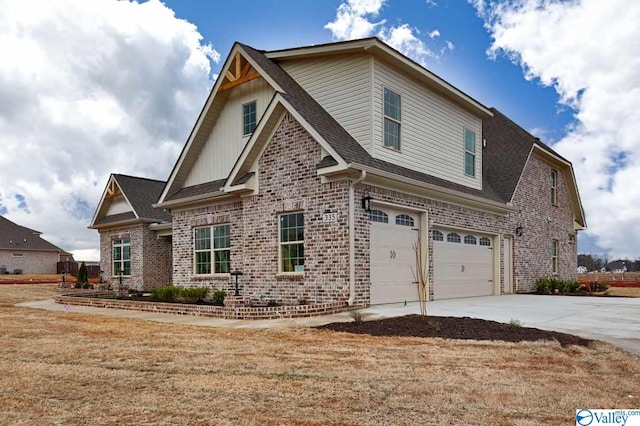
[90, 88]
[354, 20]
[589, 52]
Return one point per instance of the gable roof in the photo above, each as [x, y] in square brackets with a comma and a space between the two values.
[16, 237]
[140, 194]
[508, 149]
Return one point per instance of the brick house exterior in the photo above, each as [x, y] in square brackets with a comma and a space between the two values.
[511, 207]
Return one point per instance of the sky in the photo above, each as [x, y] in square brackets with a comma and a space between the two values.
[89, 88]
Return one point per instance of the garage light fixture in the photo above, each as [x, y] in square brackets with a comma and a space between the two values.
[366, 203]
[518, 231]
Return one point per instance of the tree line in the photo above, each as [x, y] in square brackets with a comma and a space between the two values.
[596, 262]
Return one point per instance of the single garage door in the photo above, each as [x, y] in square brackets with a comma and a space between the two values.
[393, 259]
[463, 264]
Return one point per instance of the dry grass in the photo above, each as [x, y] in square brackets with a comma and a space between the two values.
[61, 368]
[22, 277]
[624, 291]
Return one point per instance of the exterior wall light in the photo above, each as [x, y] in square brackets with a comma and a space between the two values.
[518, 231]
[366, 203]
[236, 274]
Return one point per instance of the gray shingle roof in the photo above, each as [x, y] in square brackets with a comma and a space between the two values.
[113, 218]
[142, 193]
[16, 237]
[192, 191]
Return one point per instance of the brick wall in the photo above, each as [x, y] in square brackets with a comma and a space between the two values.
[288, 183]
[31, 262]
[542, 222]
[150, 257]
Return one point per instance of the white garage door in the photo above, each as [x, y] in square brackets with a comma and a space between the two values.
[463, 264]
[393, 259]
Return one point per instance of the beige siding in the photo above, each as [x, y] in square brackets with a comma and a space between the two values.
[118, 205]
[342, 85]
[226, 142]
[432, 129]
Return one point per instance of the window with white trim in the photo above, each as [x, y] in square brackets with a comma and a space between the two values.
[470, 239]
[404, 220]
[554, 256]
[212, 249]
[437, 235]
[292, 242]
[484, 241]
[121, 255]
[378, 216]
[554, 185]
[392, 117]
[452, 237]
[469, 153]
[249, 118]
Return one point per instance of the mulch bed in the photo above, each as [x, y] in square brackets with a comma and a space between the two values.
[454, 328]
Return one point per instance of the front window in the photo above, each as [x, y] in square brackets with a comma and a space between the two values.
[212, 249]
[121, 250]
[392, 116]
[554, 256]
[554, 184]
[469, 153]
[292, 242]
[248, 118]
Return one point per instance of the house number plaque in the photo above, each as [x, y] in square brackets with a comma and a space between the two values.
[330, 217]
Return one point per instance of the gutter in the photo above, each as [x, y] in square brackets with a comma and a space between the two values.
[352, 238]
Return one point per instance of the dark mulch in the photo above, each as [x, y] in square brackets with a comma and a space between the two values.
[454, 328]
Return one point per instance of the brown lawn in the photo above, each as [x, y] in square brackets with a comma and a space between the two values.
[624, 291]
[64, 368]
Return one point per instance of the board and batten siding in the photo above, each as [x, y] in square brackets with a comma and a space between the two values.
[226, 141]
[432, 129]
[118, 205]
[342, 86]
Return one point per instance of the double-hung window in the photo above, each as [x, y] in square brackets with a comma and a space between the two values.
[121, 254]
[292, 242]
[469, 153]
[554, 256]
[392, 118]
[554, 185]
[212, 249]
[248, 118]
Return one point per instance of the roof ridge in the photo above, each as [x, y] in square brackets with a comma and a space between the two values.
[139, 177]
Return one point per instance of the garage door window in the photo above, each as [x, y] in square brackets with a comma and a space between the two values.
[437, 236]
[378, 216]
[404, 220]
[484, 241]
[452, 237]
[470, 239]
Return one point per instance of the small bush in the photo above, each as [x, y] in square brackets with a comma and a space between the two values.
[165, 294]
[542, 285]
[82, 273]
[193, 294]
[86, 285]
[303, 301]
[272, 304]
[357, 317]
[602, 287]
[514, 323]
[78, 284]
[218, 297]
[572, 286]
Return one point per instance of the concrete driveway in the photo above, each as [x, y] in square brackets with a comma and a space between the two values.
[613, 319]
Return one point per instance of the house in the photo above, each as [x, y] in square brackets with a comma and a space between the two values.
[135, 237]
[325, 172]
[24, 251]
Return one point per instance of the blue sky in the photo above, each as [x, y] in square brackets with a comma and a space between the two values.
[96, 87]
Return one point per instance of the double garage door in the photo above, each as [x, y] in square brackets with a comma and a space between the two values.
[463, 262]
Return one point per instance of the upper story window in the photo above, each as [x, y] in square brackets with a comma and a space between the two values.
[248, 118]
[121, 253]
[469, 153]
[292, 242]
[378, 216]
[554, 185]
[404, 220]
[392, 117]
[212, 249]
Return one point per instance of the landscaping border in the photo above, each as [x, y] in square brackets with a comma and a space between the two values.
[223, 312]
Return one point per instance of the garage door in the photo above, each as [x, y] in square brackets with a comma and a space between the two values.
[463, 264]
[393, 235]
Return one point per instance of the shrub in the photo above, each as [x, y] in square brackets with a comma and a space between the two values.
[165, 294]
[542, 285]
[303, 301]
[218, 297]
[272, 303]
[82, 273]
[357, 317]
[514, 323]
[572, 286]
[194, 294]
[556, 285]
[602, 287]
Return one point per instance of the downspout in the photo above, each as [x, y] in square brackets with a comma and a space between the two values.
[352, 238]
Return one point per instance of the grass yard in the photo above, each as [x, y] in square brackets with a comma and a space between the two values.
[624, 291]
[65, 368]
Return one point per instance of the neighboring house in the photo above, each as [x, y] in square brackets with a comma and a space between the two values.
[135, 237]
[324, 172]
[22, 250]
